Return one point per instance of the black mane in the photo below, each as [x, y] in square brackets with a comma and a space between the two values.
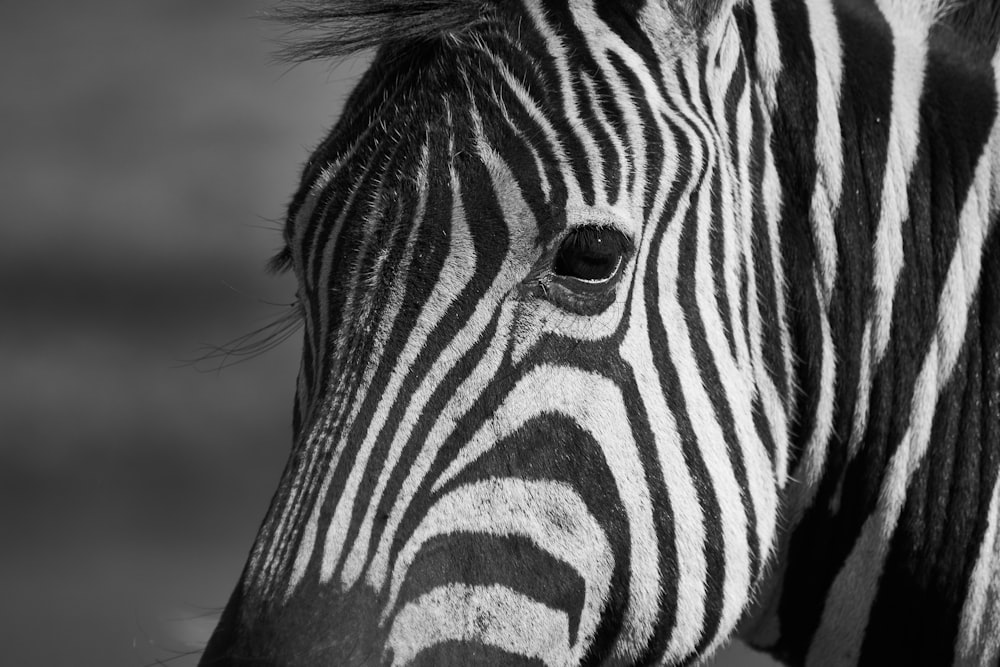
[337, 28]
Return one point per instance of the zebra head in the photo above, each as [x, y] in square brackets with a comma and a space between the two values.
[541, 409]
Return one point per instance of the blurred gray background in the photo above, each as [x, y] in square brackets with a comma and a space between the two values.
[146, 154]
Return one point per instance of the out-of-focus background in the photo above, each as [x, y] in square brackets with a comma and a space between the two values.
[146, 154]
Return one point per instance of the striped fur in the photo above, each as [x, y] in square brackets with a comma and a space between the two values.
[780, 419]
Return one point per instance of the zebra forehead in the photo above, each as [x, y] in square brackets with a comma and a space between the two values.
[420, 155]
[447, 82]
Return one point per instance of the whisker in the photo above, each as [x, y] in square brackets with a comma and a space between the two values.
[250, 345]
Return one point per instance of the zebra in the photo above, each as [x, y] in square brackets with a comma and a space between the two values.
[633, 327]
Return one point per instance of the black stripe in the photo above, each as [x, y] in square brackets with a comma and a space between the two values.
[554, 448]
[512, 561]
[820, 544]
[672, 388]
[704, 357]
[736, 97]
[935, 540]
[556, 107]
[653, 143]
[445, 392]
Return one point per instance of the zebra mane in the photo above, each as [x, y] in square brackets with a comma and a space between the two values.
[337, 28]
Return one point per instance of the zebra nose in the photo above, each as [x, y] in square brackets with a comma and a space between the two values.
[310, 628]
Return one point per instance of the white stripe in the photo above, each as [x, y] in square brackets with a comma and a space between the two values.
[624, 160]
[456, 273]
[918, 12]
[769, 68]
[979, 632]
[853, 592]
[511, 273]
[354, 308]
[809, 472]
[743, 195]
[491, 615]
[601, 43]
[773, 407]
[904, 136]
[689, 527]
[540, 167]
[550, 514]
[711, 441]
[768, 51]
[464, 397]
[551, 137]
[306, 212]
[336, 413]
[596, 405]
[317, 444]
[739, 389]
[736, 211]
[839, 637]
[829, 142]
[558, 56]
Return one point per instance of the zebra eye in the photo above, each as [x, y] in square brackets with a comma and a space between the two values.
[591, 254]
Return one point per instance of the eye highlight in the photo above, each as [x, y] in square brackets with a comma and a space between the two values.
[591, 254]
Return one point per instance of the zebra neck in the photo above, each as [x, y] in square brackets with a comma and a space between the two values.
[892, 267]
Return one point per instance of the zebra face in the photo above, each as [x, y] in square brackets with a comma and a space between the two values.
[529, 420]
